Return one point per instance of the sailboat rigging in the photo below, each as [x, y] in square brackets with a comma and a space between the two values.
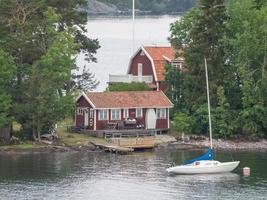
[205, 164]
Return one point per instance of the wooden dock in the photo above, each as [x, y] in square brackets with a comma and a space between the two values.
[113, 148]
[147, 142]
[126, 145]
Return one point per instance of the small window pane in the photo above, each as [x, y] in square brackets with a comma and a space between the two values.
[138, 113]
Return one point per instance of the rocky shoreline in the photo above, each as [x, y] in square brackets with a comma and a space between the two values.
[162, 141]
[220, 144]
[232, 144]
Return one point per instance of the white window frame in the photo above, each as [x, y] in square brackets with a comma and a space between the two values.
[136, 112]
[178, 65]
[161, 113]
[79, 111]
[126, 113]
[116, 112]
[142, 53]
[102, 115]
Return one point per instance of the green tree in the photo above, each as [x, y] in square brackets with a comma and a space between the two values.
[41, 36]
[7, 72]
[174, 79]
[44, 103]
[206, 36]
[223, 122]
[183, 122]
[247, 44]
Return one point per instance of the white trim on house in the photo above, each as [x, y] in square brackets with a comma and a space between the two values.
[149, 57]
[157, 83]
[94, 119]
[166, 58]
[168, 119]
[86, 98]
[168, 100]
[136, 107]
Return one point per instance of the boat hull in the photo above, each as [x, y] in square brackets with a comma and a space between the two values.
[206, 167]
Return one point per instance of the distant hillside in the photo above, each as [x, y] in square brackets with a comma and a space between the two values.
[142, 6]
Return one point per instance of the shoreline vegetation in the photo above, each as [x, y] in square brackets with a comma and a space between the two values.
[77, 142]
[143, 7]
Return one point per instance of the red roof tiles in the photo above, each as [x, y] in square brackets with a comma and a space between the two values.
[159, 56]
[133, 99]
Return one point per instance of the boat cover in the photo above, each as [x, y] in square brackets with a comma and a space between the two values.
[207, 156]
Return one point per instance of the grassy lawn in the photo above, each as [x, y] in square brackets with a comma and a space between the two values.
[75, 139]
[68, 139]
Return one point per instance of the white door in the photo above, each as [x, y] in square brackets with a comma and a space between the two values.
[86, 117]
[151, 119]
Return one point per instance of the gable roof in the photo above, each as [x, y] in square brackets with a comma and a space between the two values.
[132, 99]
[159, 56]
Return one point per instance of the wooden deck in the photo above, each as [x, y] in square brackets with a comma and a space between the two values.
[147, 142]
[113, 148]
[125, 133]
[126, 145]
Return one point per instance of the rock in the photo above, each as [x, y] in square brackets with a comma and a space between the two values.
[97, 8]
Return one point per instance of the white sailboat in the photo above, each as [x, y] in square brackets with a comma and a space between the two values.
[204, 164]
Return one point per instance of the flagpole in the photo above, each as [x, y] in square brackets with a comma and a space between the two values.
[133, 42]
[208, 98]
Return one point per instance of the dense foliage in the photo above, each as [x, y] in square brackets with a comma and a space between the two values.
[43, 38]
[233, 38]
[128, 87]
[154, 6]
[7, 70]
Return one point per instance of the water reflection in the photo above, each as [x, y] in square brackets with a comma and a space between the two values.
[139, 176]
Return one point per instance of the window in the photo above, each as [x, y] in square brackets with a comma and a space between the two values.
[138, 112]
[178, 65]
[115, 114]
[103, 115]
[79, 111]
[126, 113]
[161, 113]
[142, 53]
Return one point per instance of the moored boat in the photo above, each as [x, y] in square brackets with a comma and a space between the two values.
[204, 164]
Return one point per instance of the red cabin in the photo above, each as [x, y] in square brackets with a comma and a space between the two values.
[123, 110]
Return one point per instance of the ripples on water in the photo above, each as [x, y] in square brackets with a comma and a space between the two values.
[140, 176]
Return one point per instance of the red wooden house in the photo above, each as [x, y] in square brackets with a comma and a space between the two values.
[123, 110]
[148, 65]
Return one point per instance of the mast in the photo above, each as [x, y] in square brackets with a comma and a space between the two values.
[208, 97]
[133, 34]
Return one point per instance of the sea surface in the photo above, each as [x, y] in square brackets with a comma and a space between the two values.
[139, 176]
[115, 37]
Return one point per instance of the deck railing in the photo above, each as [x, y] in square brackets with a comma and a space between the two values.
[129, 78]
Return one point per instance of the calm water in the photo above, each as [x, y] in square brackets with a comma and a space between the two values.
[138, 176]
[115, 37]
